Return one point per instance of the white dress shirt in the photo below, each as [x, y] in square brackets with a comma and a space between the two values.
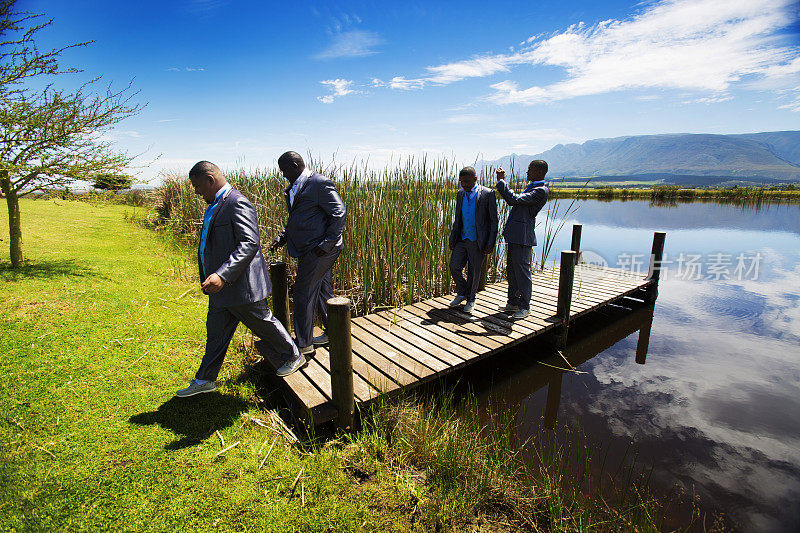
[301, 179]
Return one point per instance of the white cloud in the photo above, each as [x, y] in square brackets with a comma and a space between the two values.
[471, 68]
[203, 7]
[793, 105]
[353, 43]
[338, 87]
[186, 69]
[698, 45]
[687, 44]
[709, 100]
[116, 135]
[399, 83]
[791, 68]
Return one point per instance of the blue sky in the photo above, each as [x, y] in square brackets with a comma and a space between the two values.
[239, 83]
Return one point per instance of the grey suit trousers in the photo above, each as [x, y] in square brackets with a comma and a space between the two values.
[313, 287]
[221, 323]
[466, 252]
[518, 274]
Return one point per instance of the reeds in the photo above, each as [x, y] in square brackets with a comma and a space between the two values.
[398, 223]
[470, 462]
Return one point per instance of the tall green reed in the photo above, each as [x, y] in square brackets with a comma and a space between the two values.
[474, 463]
[398, 223]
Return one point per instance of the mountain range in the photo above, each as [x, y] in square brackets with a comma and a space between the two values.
[767, 156]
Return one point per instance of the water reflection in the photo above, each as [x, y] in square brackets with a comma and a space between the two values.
[716, 407]
[512, 378]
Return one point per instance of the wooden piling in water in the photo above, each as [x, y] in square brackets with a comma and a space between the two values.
[341, 357]
[576, 240]
[278, 276]
[566, 280]
[654, 273]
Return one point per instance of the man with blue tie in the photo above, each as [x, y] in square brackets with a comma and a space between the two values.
[234, 276]
[520, 236]
[472, 236]
[313, 235]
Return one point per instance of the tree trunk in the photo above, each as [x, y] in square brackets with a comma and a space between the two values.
[14, 223]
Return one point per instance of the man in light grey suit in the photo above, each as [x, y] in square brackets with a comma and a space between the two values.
[313, 234]
[472, 236]
[520, 236]
[235, 278]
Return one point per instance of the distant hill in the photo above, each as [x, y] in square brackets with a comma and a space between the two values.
[767, 156]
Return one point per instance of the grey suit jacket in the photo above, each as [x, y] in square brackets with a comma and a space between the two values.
[524, 208]
[233, 251]
[485, 218]
[316, 218]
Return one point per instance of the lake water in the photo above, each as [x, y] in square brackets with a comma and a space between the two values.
[716, 407]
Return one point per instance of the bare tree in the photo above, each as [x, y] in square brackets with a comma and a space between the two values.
[49, 137]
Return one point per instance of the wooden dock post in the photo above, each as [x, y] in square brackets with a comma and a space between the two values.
[341, 354]
[565, 282]
[278, 275]
[654, 273]
[576, 241]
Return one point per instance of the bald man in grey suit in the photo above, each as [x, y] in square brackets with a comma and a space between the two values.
[235, 278]
[313, 234]
[520, 236]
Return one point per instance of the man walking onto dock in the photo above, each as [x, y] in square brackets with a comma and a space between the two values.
[520, 236]
[235, 278]
[472, 237]
[313, 234]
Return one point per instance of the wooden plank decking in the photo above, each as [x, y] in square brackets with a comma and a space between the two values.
[403, 348]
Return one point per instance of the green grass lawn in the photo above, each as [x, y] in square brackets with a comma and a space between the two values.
[105, 321]
[101, 326]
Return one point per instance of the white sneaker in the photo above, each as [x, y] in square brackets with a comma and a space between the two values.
[522, 313]
[289, 367]
[196, 388]
[469, 307]
[457, 300]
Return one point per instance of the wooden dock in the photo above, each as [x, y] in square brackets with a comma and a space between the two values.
[400, 349]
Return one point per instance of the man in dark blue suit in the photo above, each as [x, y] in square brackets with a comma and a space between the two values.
[472, 236]
[235, 278]
[313, 234]
[520, 236]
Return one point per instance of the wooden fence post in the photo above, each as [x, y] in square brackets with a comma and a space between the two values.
[576, 240]
[654, 274]
[278, 275]
[565, 281]
[341, 353]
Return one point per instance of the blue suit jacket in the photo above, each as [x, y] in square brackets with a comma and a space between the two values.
[485, 218]
[316, 218]
[233, 251]
[522, 218]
